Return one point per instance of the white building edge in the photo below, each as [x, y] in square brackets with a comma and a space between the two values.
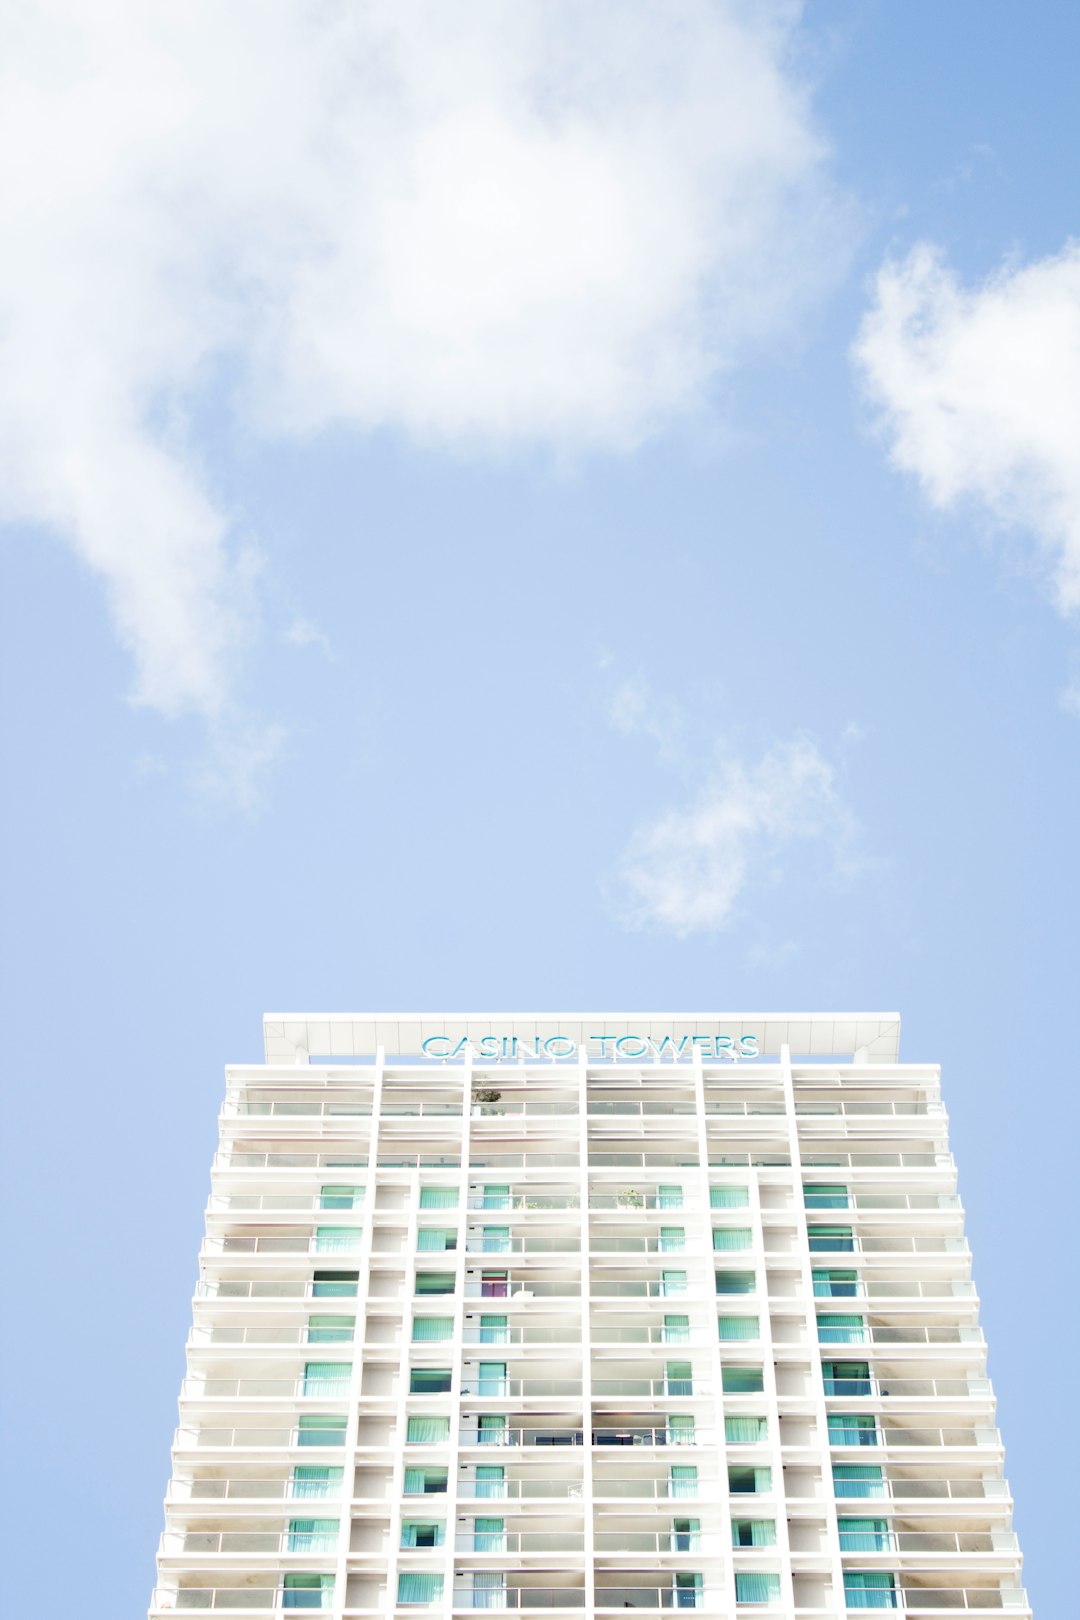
[619, 1316]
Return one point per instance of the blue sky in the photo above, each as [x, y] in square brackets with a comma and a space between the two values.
[525, 508]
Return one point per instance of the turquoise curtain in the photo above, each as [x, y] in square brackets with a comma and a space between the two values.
[864, 1535]
[742, 1430]
[753, 1532]
[488, 1589]
[494, 1330]
[419, 1588]
[321, 1431]
[312, 1535]
[735, 1282]
[432, 1329]
[438, 1198]
[678, 1378]
[333, 1239]
[308, 1592]
[311, 1483]
[682, 1481]
[496, 1196]
[680, 1429]
[331, 1329]
[334, 1284]
[423, 1533]
[670, 1197]
[836, 1284]
[676, 1330]
[846, 1377]
[672, 1239]
[751, 1587]
[729, 1197]
[434, 1282]
[687, 1590]
[685, 1535]
[424, 1481]
[672, 1282]
[427, 1430]
[492, 1379]
[731, 1237]
[495, 1239]
[341, 1197]
[858, 1479]
[430, 1380]
[842, 1330]
[871, 1589]
[327, 1378]
[491, 1480]
[849, 1429]
[430, 1238]
[822, 1195]
[739, 1327]
[489, 1535]
[491, 1428]
[831, 1239]
[742, 1380]
[749, 1481]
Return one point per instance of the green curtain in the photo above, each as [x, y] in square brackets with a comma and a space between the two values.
[680, 1429]
[488, 1589]
[491, 1428]
[434, 1282]
[678, 1378]
[489, 1535]
[849, 1429]
[323, 1430]
[490, 1480]
[310, 1483]
[687, 1590]
[742, 1380]
[676, 1330]
[492, 1378]
[670, 1197]
[742, 1430]
[831, 1239]
[427, 1430]
[438, 1198]
[419, 1588]
[749, 1481]
[739, 1327]
[731, 1237]
[864, 1535]
[836, 1284]
[331, 1329]
[672, 1283]
[423, 1533]
[307, 1591]
[846, 1377]
[312, 1535]
[495, 1239]
[425, 1481]
[430, 1380]
[332, 1239]
[858, 1479]
[822, 1195]
[682, 1480]
[341, 1197]
[729, 1197]
[672, 1239]
[496, 1196]
[735, 1282]
[327, 1378]
[430, 1329]
[494, 1330]
[842, 1330]
[685, 1535]
[753, 1532]
[334, 1284]
[871, 1589]
[430, 1238]
[752, 1587]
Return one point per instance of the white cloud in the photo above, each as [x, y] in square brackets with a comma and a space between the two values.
[488, 225]
[305, 633]
[979, 393]
[688, 870]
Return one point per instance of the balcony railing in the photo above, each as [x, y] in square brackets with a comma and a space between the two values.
[958, 1490]
[301, 1108]
[642, 1161]
[268, 1489]
[519, 1597]
[523, 1541]
[245, 1598]
[928, 1541]
[570, 1244]
[919, 1599]
[355, 1160]
[507, 1436]
[652, 1597]
[522, 1388]
[520, 1490]
[197, 1389]
[660, 1490]
[867, 1109]
[909, 1388]
[634, 1435]
[663, 1387]
[643, 1110]
[524, 1201]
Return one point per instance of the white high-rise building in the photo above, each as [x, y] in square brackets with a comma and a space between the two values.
[565, 1312]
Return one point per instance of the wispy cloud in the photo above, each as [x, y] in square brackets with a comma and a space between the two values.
[483, 226]
[978, 391]
[304, 633]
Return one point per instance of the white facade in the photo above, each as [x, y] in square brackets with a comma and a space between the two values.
[645, 1325]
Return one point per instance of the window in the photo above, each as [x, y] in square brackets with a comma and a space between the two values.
[438, 1198]
[334, 1284]
[496, 1196]
[323, 1430]
[682, 1480]
[494, 1284]
[836, 1284]
[847, 1377]
[434, 1282]
[729, 1197]
[427, 1431]
[687, 1590]
[672, 1239]
[341, 1197]
[838, 1239]
[495, 1239]
[731, 1237]
[436, 1237]
[429, 1381]
[491, 1429]
[753, 1532]
[750, 1587]
[312, 1535]
[820, 1195]
[742, 1380]
[739, 1327]
[870, 1590]
[672, 1282]
[490, 1480]
[685, 1535]
[858, 1479]
[489, 1535]
[331, 1329]
[425, 1481]
[735, 1282]
[432, 1329]
[678, 1378]
[680, 1429]
[488, 1589]
[848, 1429]
[494, 1330]
[669, 1198]
[419, 1587]
[311, 1484]
[492, 1379]
[864, 1535]
[327, 1378]
[741, 1431]
[422, 1533]
[842, 1330]
[307, 1591]
[749, 1481]
[676, 1330]
[333, 1239]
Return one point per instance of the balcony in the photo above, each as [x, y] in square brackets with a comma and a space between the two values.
[471, 1596]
